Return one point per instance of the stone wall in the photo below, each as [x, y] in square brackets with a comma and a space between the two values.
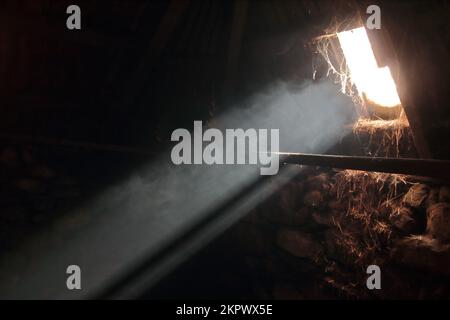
[316, 237]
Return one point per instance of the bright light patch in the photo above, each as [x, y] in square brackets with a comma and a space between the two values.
[376, 83]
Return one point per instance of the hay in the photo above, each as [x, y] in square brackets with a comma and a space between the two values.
[327, 46]
[365, 97]
[385, 136]
[370, 189]
[371, 125]
[369, 198]
[337, 67]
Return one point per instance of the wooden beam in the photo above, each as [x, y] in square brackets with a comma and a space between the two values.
[411, 42]
[439, 169]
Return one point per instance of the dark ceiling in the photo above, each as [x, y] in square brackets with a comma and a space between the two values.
[138, 68]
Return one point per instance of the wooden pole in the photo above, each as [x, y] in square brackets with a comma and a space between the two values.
[439, 169]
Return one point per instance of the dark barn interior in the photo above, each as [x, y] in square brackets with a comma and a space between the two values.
[85, 138]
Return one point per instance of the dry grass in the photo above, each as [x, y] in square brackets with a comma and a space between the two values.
[337, 67]
[368, 190]
[327, 46]
[368, 199]
[385, 136]
[373, 125]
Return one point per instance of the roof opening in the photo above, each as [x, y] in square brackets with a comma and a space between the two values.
[373, 83]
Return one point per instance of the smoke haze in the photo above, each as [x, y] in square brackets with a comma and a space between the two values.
[132, 220]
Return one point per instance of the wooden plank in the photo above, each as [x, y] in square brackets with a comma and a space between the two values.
[412, 43]
[439, 169]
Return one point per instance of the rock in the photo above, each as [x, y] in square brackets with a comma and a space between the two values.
[336, 205]
[444, 194]
[298, 243]
[385, 209]
[290, 196]
[300, 217]
[335, 250]
[433, 197]
[416, 195]
[280, 217]
[424, 253]
[342, 288]
[325, 219]
[404, 221]
[314, 199]
[438, 221]
[287, 217]
[288, 202]
[331, 244]
[319, 182]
